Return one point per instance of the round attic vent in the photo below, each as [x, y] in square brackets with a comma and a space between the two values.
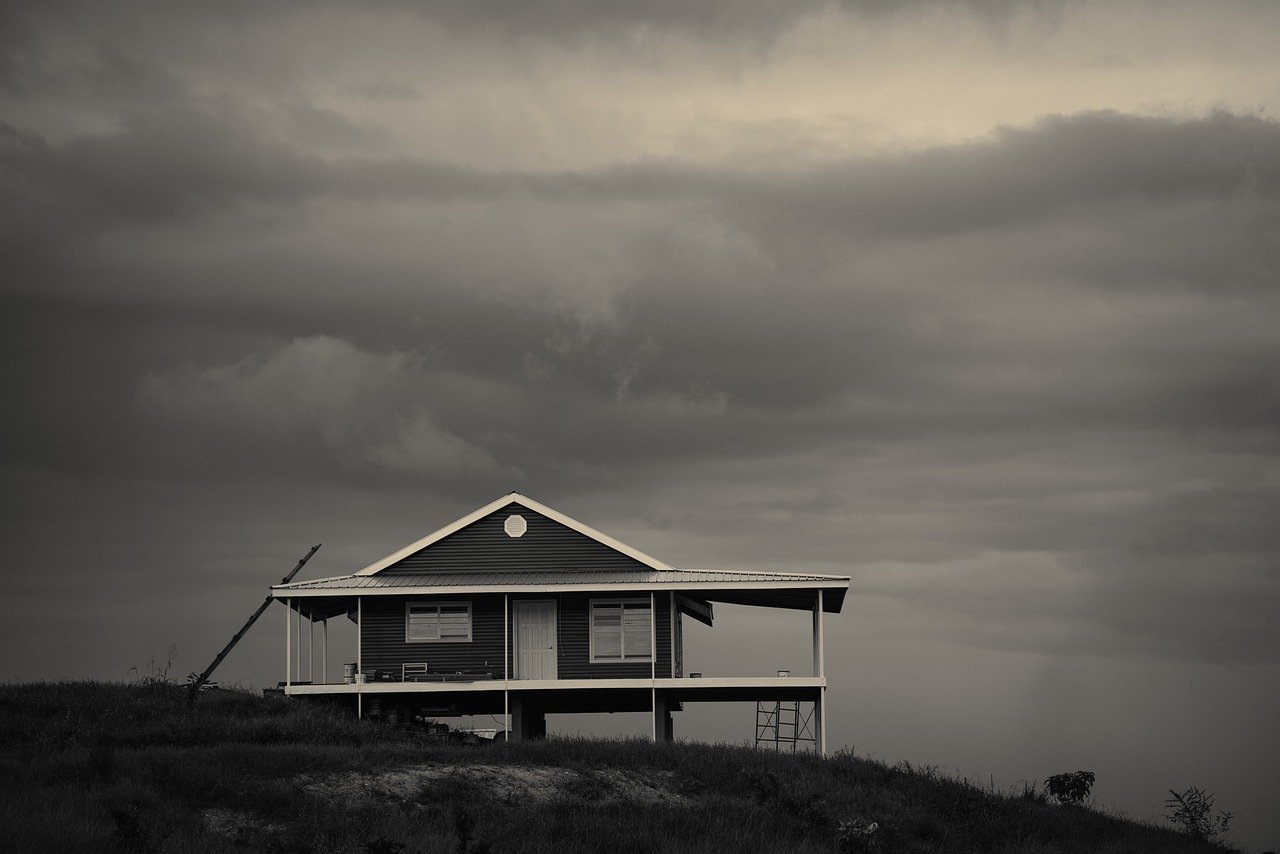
[515, 526]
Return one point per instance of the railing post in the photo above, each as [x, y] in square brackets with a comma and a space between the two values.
[506, 664]
[288, 653]
[359, 657]
[653, 663]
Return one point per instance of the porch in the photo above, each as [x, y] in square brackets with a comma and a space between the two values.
[486, 680]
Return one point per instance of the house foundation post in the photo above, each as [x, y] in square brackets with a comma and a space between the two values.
[663, 726]
[528, 722]
[820, 722]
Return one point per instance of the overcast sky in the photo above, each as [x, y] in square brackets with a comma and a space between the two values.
[973, 302]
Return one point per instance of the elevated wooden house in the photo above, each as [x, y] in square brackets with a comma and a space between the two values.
[518, 610]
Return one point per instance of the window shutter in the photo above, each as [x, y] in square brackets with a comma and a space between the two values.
[606, 628]
[635, 631]
[424, 623]
[450, 622]
[455, 622]
[620, 631]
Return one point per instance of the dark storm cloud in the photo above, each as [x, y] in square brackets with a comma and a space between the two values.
[564, 19]
[706, 276]
[796, 315]
[198, 156]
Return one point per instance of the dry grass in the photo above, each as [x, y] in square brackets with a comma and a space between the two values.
[95, 767]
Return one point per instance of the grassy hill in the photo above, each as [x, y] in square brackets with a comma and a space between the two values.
[90, 766]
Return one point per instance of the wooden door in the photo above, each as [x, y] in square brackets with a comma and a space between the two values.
[535, 640]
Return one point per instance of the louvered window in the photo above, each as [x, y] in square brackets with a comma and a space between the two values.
[620, 630]
[437, 622]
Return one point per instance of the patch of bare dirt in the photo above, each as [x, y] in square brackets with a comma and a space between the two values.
[509, 783]
[239, 826]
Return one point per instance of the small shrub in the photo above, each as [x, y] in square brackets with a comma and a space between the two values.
[1192, 812]
[858, 834]
[1071, 787]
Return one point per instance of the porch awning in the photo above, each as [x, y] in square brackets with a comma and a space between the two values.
[769, 589]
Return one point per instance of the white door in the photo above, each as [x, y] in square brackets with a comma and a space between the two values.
[535, 640]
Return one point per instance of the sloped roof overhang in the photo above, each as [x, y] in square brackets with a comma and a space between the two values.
[770, 589]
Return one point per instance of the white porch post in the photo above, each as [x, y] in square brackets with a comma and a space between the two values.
[297, 652]
[359, 657]
[819, 657]
[311, 650]
[506, 664]
[324, 653]
[653, 666]
[819, 670]
[288, 653]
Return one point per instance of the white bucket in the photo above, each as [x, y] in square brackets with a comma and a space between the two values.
[348, 673]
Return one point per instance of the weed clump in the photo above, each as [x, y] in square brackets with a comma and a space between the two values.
[1192, 812]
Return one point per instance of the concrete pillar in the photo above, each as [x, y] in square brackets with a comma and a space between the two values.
[820, 722]
[528, 722]
[663, 726]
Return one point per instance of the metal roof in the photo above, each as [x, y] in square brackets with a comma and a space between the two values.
[592, 578]
[332, 596]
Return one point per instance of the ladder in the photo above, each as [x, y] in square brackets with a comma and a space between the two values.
[782, 725]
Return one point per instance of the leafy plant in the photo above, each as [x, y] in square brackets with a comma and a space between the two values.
[1192, 811]
[1071, 787]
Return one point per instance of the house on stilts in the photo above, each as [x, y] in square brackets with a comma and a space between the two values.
[518, 610]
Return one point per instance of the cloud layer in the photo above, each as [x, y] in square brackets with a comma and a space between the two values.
[973, 302]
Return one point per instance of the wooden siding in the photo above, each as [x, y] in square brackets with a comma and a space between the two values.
[383, 646]
[483, 545]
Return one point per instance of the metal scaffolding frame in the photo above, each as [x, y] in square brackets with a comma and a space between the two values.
[782, 725]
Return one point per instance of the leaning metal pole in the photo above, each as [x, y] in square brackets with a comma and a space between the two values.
[199, 681]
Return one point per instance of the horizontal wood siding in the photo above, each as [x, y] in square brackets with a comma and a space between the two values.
[484, 545]
[383, 647]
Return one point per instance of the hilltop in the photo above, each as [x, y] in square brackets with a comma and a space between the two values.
[91, 766]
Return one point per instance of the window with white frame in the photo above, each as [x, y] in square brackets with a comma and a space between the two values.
[620, 630]
[437, 622]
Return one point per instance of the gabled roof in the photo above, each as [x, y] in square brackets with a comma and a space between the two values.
[512, 498]
[468, 572]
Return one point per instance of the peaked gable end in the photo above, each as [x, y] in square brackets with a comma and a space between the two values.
[546, 541]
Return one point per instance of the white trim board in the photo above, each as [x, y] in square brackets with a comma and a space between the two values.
[497, 685]
[833, 583]
[605, 539]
